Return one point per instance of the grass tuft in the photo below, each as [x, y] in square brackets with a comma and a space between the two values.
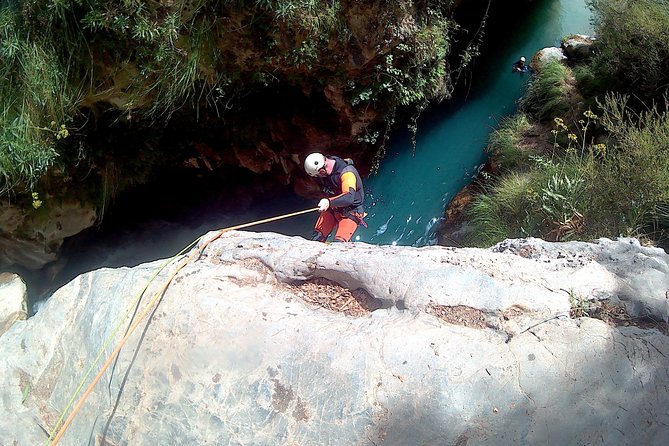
[545, 98]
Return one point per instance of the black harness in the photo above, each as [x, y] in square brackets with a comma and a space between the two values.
[331, 185]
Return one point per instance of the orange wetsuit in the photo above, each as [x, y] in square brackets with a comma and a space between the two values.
[344, 189]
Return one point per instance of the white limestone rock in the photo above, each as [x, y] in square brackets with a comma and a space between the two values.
[234, 355]
[32, 238]
[578, 47]
[13, 300]
[545, 55]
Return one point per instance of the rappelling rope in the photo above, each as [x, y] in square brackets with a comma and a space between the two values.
[141, 316]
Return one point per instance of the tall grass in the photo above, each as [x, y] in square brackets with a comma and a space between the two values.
[36, 100]
[500, 211]
[503, 142]
[545, 201]
[586, 191]
[545, 98]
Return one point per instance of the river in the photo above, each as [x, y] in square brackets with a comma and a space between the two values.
[406, 197]
[410, 191]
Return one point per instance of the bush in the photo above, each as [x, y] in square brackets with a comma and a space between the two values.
[589, 84]
[590, 190]
[632, 46]
[147, 59]
[609, 185]
[631, 189]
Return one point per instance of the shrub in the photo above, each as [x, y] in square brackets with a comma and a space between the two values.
[586, 190]
[632, 184]
[632, 46]
[548, 200]
[613, 184]
[589, 84]
[147, 59]
[545, 202]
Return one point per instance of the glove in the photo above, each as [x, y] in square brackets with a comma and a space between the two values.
[323, 205]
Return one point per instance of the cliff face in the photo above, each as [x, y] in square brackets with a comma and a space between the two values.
[265, 339]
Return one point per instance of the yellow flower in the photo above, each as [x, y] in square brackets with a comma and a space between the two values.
[600, 148]
[62, 133]
[589, 114]
[559, 123]
[36, 201]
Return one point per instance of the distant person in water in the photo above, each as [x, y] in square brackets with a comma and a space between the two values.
[519, 66]
[340, 182]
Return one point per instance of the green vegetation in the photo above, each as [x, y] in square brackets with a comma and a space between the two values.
[580, 306]
[416, 71]
[545, 96]
[24, 394]
[34, 106]
[545, 200]
[603, 173]
[504, 141]
[632, 188]
[632, 46]
[66, 62]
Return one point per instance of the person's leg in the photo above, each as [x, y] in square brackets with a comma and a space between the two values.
[345, 230]
[324, 226]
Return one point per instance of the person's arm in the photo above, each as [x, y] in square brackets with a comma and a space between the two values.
[348, 188]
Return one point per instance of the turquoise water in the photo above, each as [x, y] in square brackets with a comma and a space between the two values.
[408, 195]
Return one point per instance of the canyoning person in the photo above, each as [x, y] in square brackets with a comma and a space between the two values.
[345, 194]
[519, 66]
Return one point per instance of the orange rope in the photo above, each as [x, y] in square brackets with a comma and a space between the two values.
[148, 307]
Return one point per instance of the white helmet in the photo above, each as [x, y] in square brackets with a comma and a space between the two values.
[313, 163]
[522, 58]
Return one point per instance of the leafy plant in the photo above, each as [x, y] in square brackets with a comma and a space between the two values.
[548, 198]
[144, 61]
[634, 176]
[580, 306]
[607, 174]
